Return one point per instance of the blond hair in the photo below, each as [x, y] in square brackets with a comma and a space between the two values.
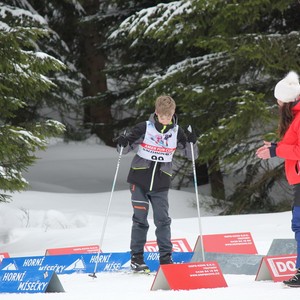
[165, 105]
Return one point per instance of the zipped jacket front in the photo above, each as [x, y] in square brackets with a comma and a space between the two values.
[155, 175]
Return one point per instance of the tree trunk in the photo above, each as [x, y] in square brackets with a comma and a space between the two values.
[216, 180]
[202, 174]
[96, 115]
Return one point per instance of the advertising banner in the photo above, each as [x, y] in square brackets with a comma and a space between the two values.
[239, 243]
[85, 263]
[277, 268]
[73, 250]
[179, 245]
[189, 276]
[29, 282]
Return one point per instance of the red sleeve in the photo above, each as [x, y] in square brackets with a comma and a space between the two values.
[289, 146]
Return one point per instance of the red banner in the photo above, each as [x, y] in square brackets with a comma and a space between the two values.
[73, 250]
[3, 255]
[277, 268]
[179, 245]
[189, 276]
[234, 243]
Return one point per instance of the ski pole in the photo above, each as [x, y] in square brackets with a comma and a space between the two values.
[197, 197]
[107, 213]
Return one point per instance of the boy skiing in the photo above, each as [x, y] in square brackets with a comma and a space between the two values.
[150, 177]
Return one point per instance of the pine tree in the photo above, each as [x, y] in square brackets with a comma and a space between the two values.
[24, 82]
[220, 61]
[63, 102]
[104, 87]
[82, 27]
[123, 67]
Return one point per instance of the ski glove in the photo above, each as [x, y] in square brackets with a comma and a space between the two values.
[191, 137]
[122, 140]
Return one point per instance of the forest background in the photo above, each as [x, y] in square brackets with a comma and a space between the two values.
[94, 67]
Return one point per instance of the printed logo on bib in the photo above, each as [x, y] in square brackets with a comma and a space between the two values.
[158, 146]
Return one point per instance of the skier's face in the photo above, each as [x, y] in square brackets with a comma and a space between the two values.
[164, 119]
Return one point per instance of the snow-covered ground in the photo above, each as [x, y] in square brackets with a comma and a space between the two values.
[67, 204]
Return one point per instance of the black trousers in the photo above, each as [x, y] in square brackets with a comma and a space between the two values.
[140, 200]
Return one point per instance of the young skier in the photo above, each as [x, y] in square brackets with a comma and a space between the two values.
[150, 176]
[287, 93]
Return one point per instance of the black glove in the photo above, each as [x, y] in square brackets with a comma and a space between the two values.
[122, 140]
[191, 137]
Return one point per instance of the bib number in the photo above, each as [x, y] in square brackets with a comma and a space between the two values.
[154, 157]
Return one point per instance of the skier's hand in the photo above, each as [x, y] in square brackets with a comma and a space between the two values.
[191, 137]
[264, 151]
[122, 140]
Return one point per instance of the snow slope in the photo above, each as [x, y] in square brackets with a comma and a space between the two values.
[67, 204]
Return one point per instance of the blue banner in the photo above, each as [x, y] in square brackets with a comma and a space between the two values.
[68, 264]
[29, 282]
[85, 263]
